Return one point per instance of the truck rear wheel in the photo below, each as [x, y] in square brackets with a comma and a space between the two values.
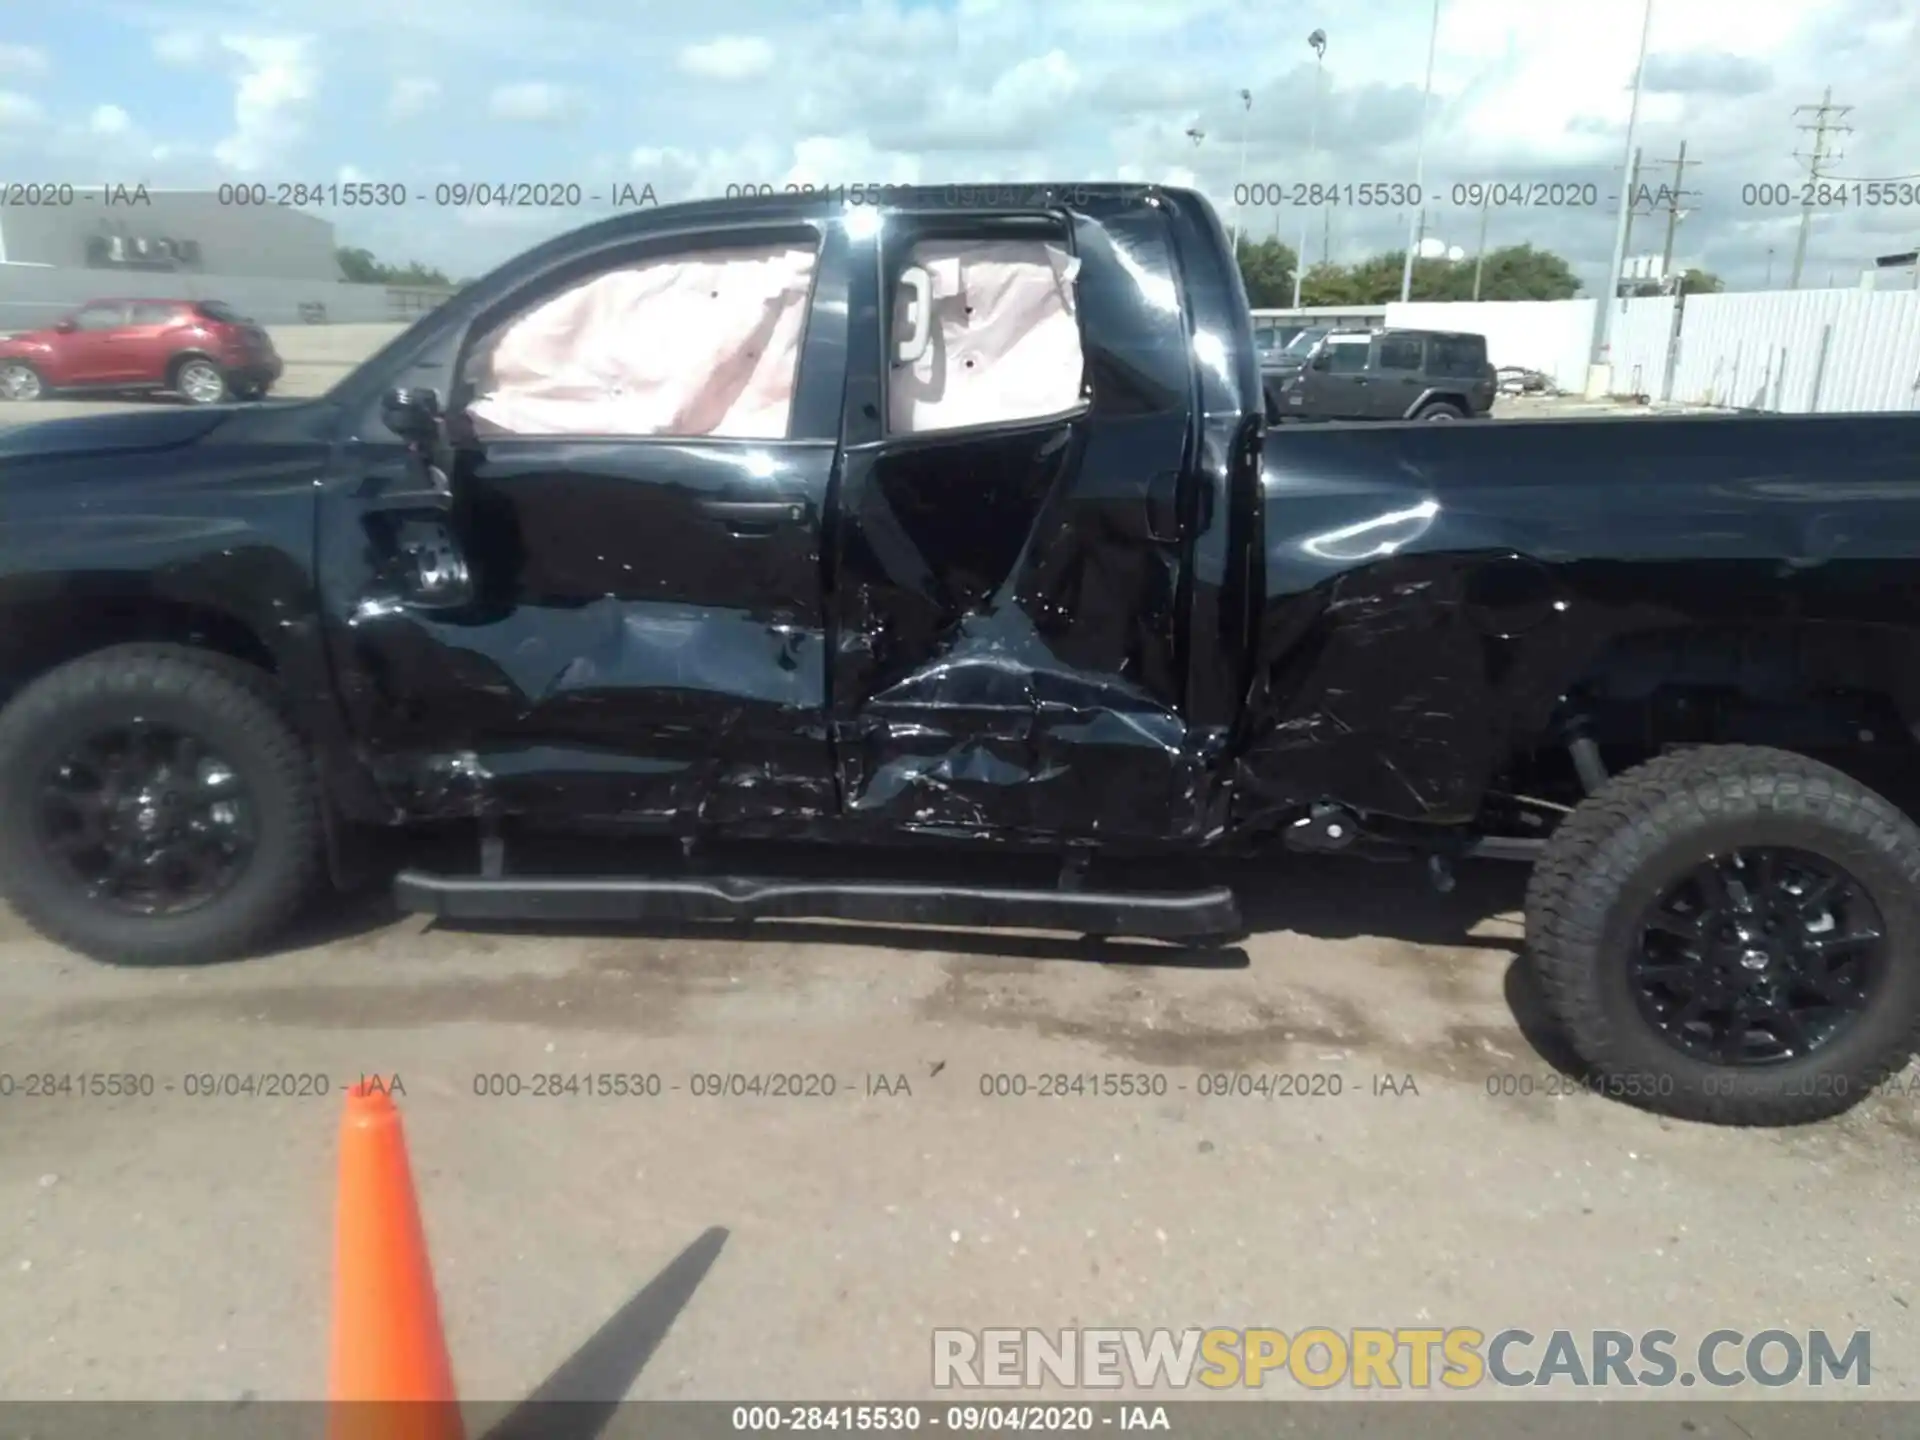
[156, 807]
[1730, 933]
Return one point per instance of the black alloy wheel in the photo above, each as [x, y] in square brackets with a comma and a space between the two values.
[146, 818]
[1759, 956]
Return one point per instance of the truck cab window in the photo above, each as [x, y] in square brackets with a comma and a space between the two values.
[701, 343]
[1000, 342]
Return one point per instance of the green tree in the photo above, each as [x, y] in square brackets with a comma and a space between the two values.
[1693, 281]
[358, 267]
[1330, 285]
[1266, 268]
[1514, 272]
[1519, 272]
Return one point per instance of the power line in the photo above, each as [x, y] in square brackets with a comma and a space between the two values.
[1828, 120]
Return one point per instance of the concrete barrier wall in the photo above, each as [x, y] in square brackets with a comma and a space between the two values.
[36, 295]
[318, 355]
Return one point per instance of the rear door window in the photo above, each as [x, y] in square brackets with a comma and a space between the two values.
[986, 332]
[1399, 352]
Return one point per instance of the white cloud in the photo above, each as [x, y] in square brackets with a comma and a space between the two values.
[277, 78]
[19, 110]
[846, 91]
[109, 120]
[181, 47]
[412, 94]
[848, 159]
[728, 57]
[531, 101]
[22, 60]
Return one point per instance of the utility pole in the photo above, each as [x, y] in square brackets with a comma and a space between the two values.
[1828, 120]
[1480, 254]
[1679, 164]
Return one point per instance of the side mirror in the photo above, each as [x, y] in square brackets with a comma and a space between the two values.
[413, 415]
[65, 327]
[1321, 361]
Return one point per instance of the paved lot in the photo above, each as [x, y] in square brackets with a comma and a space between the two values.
[178, 1245]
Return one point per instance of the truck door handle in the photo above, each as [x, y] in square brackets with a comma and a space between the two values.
[755, 517]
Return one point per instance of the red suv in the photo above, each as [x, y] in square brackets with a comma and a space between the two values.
[199, 349]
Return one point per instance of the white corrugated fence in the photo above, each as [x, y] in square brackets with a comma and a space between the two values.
[1796, 352]
[1551, 336]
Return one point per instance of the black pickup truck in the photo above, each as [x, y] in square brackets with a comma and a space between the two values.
[924, 557]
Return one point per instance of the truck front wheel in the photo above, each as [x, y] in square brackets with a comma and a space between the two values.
[1732, 934]
[156, 807]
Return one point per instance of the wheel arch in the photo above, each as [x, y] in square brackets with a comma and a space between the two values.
[1786, 660]
[43, 627]
[1431, 398]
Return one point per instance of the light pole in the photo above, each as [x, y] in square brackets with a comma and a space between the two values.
[1603, 327]
[1420, 163]
[1318, 40]
[1246, 118]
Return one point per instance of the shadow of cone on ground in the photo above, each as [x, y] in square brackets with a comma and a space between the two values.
[390, 1377]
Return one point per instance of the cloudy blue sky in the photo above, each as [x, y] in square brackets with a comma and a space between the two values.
[692, 97]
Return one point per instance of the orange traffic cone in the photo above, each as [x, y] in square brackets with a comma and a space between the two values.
[389, 1377]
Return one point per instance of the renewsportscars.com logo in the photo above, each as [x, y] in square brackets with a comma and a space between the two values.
[1455, 1358]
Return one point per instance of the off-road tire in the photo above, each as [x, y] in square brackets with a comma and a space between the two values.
[1441, 410]
[1609, 859]
[233, 707]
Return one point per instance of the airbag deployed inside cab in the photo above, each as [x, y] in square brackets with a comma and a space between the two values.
[704, 344]
[1005, 343]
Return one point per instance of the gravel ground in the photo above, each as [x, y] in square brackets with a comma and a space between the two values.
[177, 1245]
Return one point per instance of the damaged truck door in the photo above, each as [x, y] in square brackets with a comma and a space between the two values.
[636, 446]
[1008, 553]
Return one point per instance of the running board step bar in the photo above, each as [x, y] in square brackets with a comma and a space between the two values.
[1164, 915]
